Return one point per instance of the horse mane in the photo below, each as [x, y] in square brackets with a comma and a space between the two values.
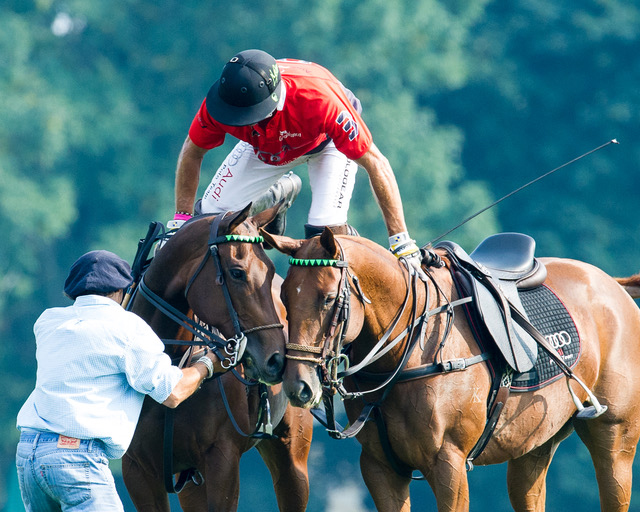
[380, 256]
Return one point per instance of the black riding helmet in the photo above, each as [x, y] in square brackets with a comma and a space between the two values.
[248, 89]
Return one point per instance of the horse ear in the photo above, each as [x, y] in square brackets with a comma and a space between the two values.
[238, 218]
[328, 241]
[284, 244]
[264, 217]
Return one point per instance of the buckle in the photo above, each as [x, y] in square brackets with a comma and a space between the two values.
[454, 365]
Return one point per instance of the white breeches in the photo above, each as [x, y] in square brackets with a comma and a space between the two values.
[243, 178]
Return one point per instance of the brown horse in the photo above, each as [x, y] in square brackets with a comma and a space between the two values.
[433, 422]
[185, 275]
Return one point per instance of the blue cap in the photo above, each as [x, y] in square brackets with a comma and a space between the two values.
[100, 272]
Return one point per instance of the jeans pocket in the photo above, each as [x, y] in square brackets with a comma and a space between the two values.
[69, 482]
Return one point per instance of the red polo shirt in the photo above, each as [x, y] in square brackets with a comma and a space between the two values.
[315, 107]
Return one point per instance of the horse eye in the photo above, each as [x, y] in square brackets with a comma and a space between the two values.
[238, 274]
[329, 300]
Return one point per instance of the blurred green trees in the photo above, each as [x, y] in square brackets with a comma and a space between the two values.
[468, 99]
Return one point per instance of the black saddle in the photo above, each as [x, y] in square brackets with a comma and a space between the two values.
[493, 274]
[501, 275]
[511, 257]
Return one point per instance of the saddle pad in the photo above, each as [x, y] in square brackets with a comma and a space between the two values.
[548, 314]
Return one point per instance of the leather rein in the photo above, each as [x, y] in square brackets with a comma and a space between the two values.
[331, 354]
[234, 347]
[229, 351]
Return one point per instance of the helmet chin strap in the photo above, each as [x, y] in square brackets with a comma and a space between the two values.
[283, 94]
[279, 106]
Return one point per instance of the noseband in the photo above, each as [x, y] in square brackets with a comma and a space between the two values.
[330, 352]
[233, 348]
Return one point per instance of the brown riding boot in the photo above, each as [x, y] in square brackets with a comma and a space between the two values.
[338, 229]
[286, 188]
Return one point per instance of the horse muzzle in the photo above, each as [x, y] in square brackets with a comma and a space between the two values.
[302, 385]
[269, 372]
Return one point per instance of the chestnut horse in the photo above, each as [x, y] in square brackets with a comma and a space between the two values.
[184, 274]
[433, 422]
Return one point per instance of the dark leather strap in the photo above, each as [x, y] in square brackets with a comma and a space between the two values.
[213, 340]
[190, 474]
[257, 433]
[495, 410]
[319, 148]
[540, 340]
[398, 466]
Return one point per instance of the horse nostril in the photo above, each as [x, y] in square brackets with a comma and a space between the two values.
[275, 364]
[304, 393]
[299, 393]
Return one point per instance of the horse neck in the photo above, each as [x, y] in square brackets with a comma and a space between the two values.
[171, 286]
[386, 283]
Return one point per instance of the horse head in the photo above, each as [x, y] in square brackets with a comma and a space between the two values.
[317, 294]
[215, 268]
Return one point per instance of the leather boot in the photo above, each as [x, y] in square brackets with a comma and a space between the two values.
[338, 229]
[287, 188]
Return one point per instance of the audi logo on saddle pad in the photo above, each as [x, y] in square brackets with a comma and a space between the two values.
[559, 339]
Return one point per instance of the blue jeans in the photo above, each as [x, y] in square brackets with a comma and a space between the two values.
[61, 479]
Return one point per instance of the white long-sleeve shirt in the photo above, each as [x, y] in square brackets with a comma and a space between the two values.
[96, 362]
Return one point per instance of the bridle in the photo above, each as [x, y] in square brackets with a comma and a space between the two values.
[329, 354]
[229, 351]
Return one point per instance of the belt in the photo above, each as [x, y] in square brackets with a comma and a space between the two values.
[63, 441]
[319, 147]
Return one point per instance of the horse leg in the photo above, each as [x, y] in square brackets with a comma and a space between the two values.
[526, 475]
[222, 476]
[389, 490]
[193, 498]
[286, 458]
[612, 448]
[146, 491]
[447, 476]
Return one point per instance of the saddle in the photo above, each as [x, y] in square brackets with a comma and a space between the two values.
[493, 274]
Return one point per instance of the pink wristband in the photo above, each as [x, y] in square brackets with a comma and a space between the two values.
[182, 216]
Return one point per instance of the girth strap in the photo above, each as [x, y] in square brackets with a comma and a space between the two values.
[496, 404]
[190, 474]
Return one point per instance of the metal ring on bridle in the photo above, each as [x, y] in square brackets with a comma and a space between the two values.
[333, 364]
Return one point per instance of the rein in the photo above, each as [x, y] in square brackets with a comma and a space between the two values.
[332, 355]
[232, 348]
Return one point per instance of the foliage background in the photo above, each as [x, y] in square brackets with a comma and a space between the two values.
[469, 99]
